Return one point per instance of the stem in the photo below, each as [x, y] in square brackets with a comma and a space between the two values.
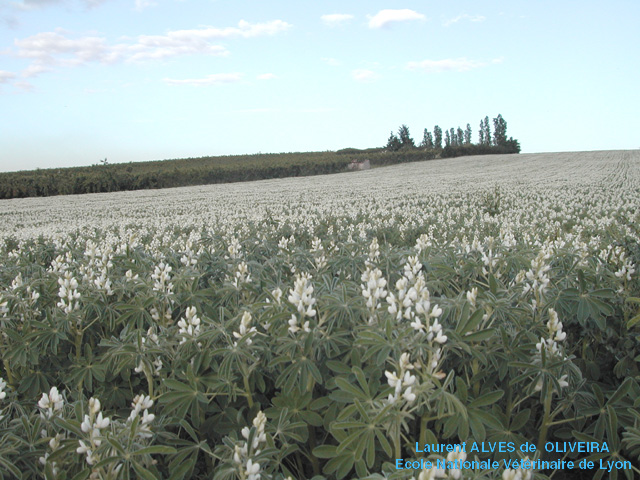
[149, 382]
[312, 444]
[398, 448]
[247, 389]
[78, 343]
[474, 369]
[567, 420]
[423, 429]
[546, 420]
[9, 374]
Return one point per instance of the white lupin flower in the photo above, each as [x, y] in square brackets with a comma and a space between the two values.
[277, 295]
[245, 328]
[456, 473]
[253, 470]
[554, 327]
[408, 395]
[51, 402]
[404, 380]
[130, 277]
[472, 296]
[189, 325]
[301, 295]
[68, 293]
[3, 385]
[161, 277]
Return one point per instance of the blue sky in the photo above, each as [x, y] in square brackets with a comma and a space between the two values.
[137, 80]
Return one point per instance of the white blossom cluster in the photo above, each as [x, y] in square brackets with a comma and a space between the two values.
[245, 451]
[555, 335]
[68, 293]
[517, 474]
[50, 403]
[318, 252]
[618, 256]
[190, 256]
[373, 289]
[537, 278]
[301, 296]
[412, 301]
[92, 424]
[95, 270]
[161, 277]
[141, 405]
[245, 330]
[241, 275]
[3, 394]
[403, 382]
[189, 325]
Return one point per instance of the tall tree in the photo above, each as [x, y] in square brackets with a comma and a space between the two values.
[487, 131]
[452, 136]
[460, 136]
[427, 140]
[481, 133]
[405, 138]
[467, 135]
[437, 137]
[499, 131]
[447, 138]
[393, 144]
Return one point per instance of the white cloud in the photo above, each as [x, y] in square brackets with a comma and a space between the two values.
[266, 76]
[5, 76]
[362, 75]
[35, 69]
[213, 79]
[36, 4]
[471, 18]
[142, 4]
[180, 42]
[55, 49]
[24, 86]
[244, 30]
[385, 17]
[448, 65]
[335, 19]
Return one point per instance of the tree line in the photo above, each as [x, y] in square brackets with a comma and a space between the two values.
[113, 177]
[457, 141]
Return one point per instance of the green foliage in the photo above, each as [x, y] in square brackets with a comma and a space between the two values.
[328, 396]
[112, 177]
[405, 137]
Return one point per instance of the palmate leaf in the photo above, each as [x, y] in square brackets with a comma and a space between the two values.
[88, 368]
[182, 398]
[48, 334]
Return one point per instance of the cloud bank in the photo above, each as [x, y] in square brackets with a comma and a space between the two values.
[386, 17]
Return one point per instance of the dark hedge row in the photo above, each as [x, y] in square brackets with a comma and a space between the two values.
[190, 171]
[208, 170]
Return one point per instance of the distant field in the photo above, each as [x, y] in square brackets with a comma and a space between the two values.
[105, 177]
[345, 194]
[319, 326]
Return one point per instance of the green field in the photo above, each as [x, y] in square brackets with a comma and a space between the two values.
[320, 327]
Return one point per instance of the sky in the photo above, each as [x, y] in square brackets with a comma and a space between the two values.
[139, 80]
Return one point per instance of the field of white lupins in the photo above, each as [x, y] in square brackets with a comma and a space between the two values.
[319, 327]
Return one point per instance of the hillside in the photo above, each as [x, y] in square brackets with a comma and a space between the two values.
[336, 320]
[105, 177]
